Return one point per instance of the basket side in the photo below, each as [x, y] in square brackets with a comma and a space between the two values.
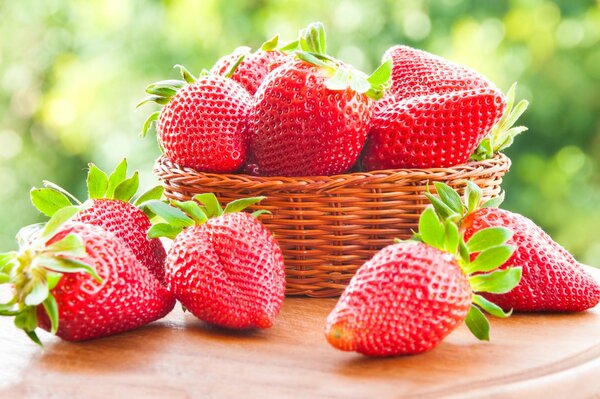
[328, 227]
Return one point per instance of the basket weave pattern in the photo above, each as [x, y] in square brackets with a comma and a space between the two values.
[328, 226]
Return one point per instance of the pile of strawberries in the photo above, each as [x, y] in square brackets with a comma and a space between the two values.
[297, 111]
[98, 267]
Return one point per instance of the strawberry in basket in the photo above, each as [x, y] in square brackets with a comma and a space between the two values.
[412, 294]
[108, 206]
[224, 266]
[435, 114]
[311, 114]
[254, 67]
[203, 122]
[79, 282]
[552, 279]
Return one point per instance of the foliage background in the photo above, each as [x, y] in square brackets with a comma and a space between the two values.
[72, 72]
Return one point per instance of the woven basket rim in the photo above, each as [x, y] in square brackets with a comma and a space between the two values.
[414, 173]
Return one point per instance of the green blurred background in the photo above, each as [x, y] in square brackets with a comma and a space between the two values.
[72, 72]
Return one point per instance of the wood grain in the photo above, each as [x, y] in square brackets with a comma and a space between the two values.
[530, 356]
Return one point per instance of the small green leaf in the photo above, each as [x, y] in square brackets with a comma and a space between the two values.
[33, 336]
[97, 182]
[27, 319]
[72, 245]
[58, 219]
[431, 229]
[382, 75]
[491, 258]
[441, 209]
[451, 237]
[241, 204]
[116, 178]
[127, 188]
[270, 44]
[48, 201]
[211, 203]
[7, 259]
[66, 265]
[489, 237]
[473, 195]
[155, 193]
[291, 46]
[185, 74]
[234, 66]
[51, 308]
[152, 118]
[153, 98]
[463, 252]
[260, 212]
[53, 279]
[170, 214]
[478, 324]
[54, 186]
[165, 88]
[164, 230]
[494, 202]
[38, 293]
[4, 278]
[9, 309]
[490, 307]
[450, 197]
[498, 282]
[193, 210]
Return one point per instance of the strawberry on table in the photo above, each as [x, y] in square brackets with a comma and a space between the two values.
[311, 114]
[224, 266]
[203, 122]
[109, 206]
[254, 67]
[552, 279]
[79, 282]
[411, 295]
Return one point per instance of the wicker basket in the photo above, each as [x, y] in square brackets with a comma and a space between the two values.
[328, 226]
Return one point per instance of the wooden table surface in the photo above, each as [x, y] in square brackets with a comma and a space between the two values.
[530, 356]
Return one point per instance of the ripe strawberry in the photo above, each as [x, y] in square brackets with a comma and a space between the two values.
[203, 122]
[79, 282]
[419, 73]
[226, 270]
[254, 67]
[311, 114]
[552, 279]
[436, 130]
[411, 295]
[108, 207]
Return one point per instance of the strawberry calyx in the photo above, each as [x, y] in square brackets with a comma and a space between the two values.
[36, 268]
[311, 47]
[117, 186]
[479, 258]
[503, 133]
[178, 215]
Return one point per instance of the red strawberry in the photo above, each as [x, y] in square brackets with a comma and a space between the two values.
[552, 279]
[437, 130]
[253, 68]
[411, 295]
[227, 270]
[80, 282]
[311, 115]
[203, 123]
[108, 207]
[418, 73]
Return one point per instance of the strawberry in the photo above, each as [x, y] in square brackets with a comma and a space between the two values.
[552, 279]
[419, 73]
[226, 270]
[108, 207]
[254, 67]
[79, 282]
[203, 122]
[437, 114]
[411, 295]
[311, 114]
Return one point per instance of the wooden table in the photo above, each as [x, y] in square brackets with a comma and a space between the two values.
[530, 356]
